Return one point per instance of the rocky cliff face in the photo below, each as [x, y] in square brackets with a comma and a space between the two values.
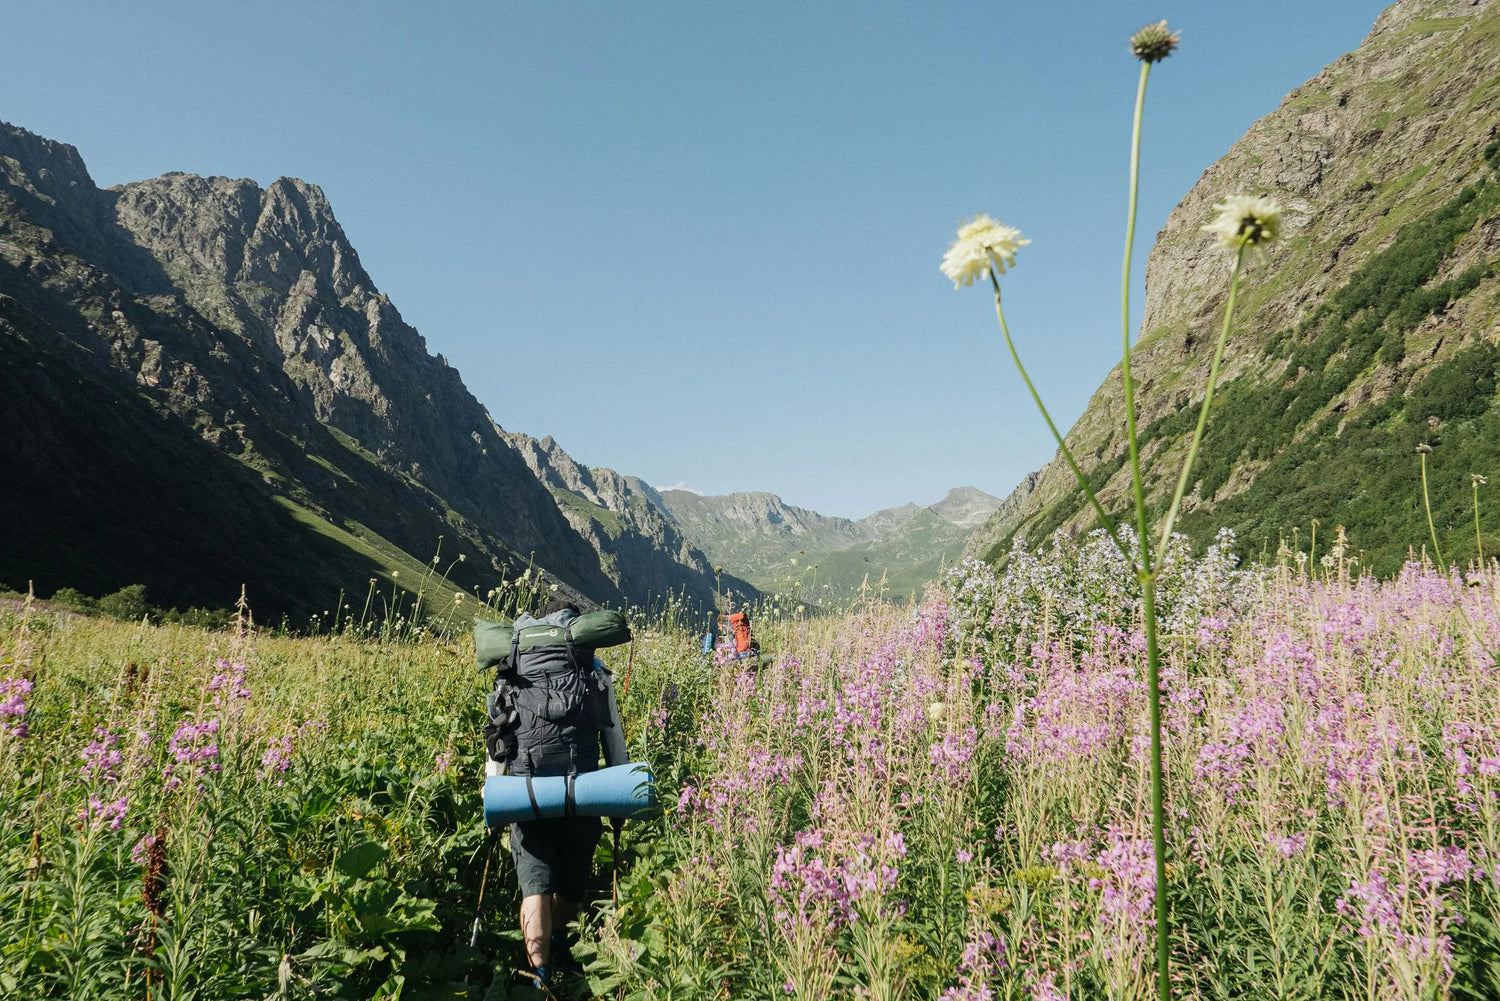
[1385, 274]
[625, 521]
[243, 319]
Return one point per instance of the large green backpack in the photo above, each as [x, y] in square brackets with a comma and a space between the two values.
[549, 705]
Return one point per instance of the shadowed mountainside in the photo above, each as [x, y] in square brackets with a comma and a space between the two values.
[156, 330]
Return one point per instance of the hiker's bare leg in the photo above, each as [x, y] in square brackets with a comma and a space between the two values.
[536, 927]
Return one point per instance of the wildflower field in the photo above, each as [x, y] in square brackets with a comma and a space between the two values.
[945, 801]
[955, 802]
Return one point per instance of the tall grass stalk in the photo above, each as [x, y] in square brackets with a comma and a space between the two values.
[1437, 550]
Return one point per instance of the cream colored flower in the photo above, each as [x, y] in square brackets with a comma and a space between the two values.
[982, 244]
[1249, 221]
[935, 710]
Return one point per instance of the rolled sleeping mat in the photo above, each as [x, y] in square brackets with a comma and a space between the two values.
[598, 629]
[491, 642]
[620, 791]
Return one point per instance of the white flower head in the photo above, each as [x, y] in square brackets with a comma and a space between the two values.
[1249, 221]
[982, 244]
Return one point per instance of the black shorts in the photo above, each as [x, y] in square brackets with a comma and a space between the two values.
[555, 855]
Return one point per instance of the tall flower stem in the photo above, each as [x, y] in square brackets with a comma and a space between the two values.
[1144, 568]
[1208, 399]
[1104, 518]
[1143, 564]
[1427, 506]
[1158, 812]
[1478, 540]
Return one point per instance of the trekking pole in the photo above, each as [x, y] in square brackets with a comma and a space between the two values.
[617, 824]
[489, 853]
[629, 663]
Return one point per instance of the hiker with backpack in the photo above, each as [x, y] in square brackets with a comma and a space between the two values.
[551, 714]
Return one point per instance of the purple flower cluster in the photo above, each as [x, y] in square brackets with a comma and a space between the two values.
[142, 849]
[983, 957]
[951, 756]
[229, 683]
[1254, 736]
[101, 757]
[1405, 904]
[14, 691]
[194, 749]
[277, 757]
[812, 881]
[1126, 878]
[100, 771]
[722, 800]
[101, 811]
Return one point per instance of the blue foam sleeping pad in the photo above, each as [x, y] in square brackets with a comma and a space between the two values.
[619, 791]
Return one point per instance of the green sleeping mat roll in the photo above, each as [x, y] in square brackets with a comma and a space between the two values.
[596, 630]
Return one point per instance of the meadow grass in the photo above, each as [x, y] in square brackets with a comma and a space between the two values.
[947, 800]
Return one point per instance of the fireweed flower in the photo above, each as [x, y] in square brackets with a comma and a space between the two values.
[1154, 42]
[142, 850]
[14, 691]
[1246, 222]
[982, 244]
[102, 812]
[101, 757]
[277, 757]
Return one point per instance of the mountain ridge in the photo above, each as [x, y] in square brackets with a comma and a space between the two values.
[243, 318]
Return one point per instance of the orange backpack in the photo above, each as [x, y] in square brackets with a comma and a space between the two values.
[740, 622]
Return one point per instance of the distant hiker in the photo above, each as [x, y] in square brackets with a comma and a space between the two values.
[711, 637]
[745, 644]
[555, 703]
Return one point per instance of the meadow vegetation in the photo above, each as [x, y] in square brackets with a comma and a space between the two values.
[942, 800]
[954, 801]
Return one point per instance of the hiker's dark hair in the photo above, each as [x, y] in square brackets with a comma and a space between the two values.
[557, 605]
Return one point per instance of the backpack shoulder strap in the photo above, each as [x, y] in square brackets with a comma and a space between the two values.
[511, 663]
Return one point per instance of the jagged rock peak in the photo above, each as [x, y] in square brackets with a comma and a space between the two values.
[55, 164]
[232, 230]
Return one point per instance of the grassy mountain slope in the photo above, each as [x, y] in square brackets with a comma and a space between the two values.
[1372, 329]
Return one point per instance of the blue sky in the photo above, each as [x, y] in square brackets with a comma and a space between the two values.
[724, 220]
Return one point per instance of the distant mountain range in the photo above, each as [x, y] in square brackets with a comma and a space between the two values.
[781, 548]
[201, 387]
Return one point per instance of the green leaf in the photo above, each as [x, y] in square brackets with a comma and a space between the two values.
[360, 859]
